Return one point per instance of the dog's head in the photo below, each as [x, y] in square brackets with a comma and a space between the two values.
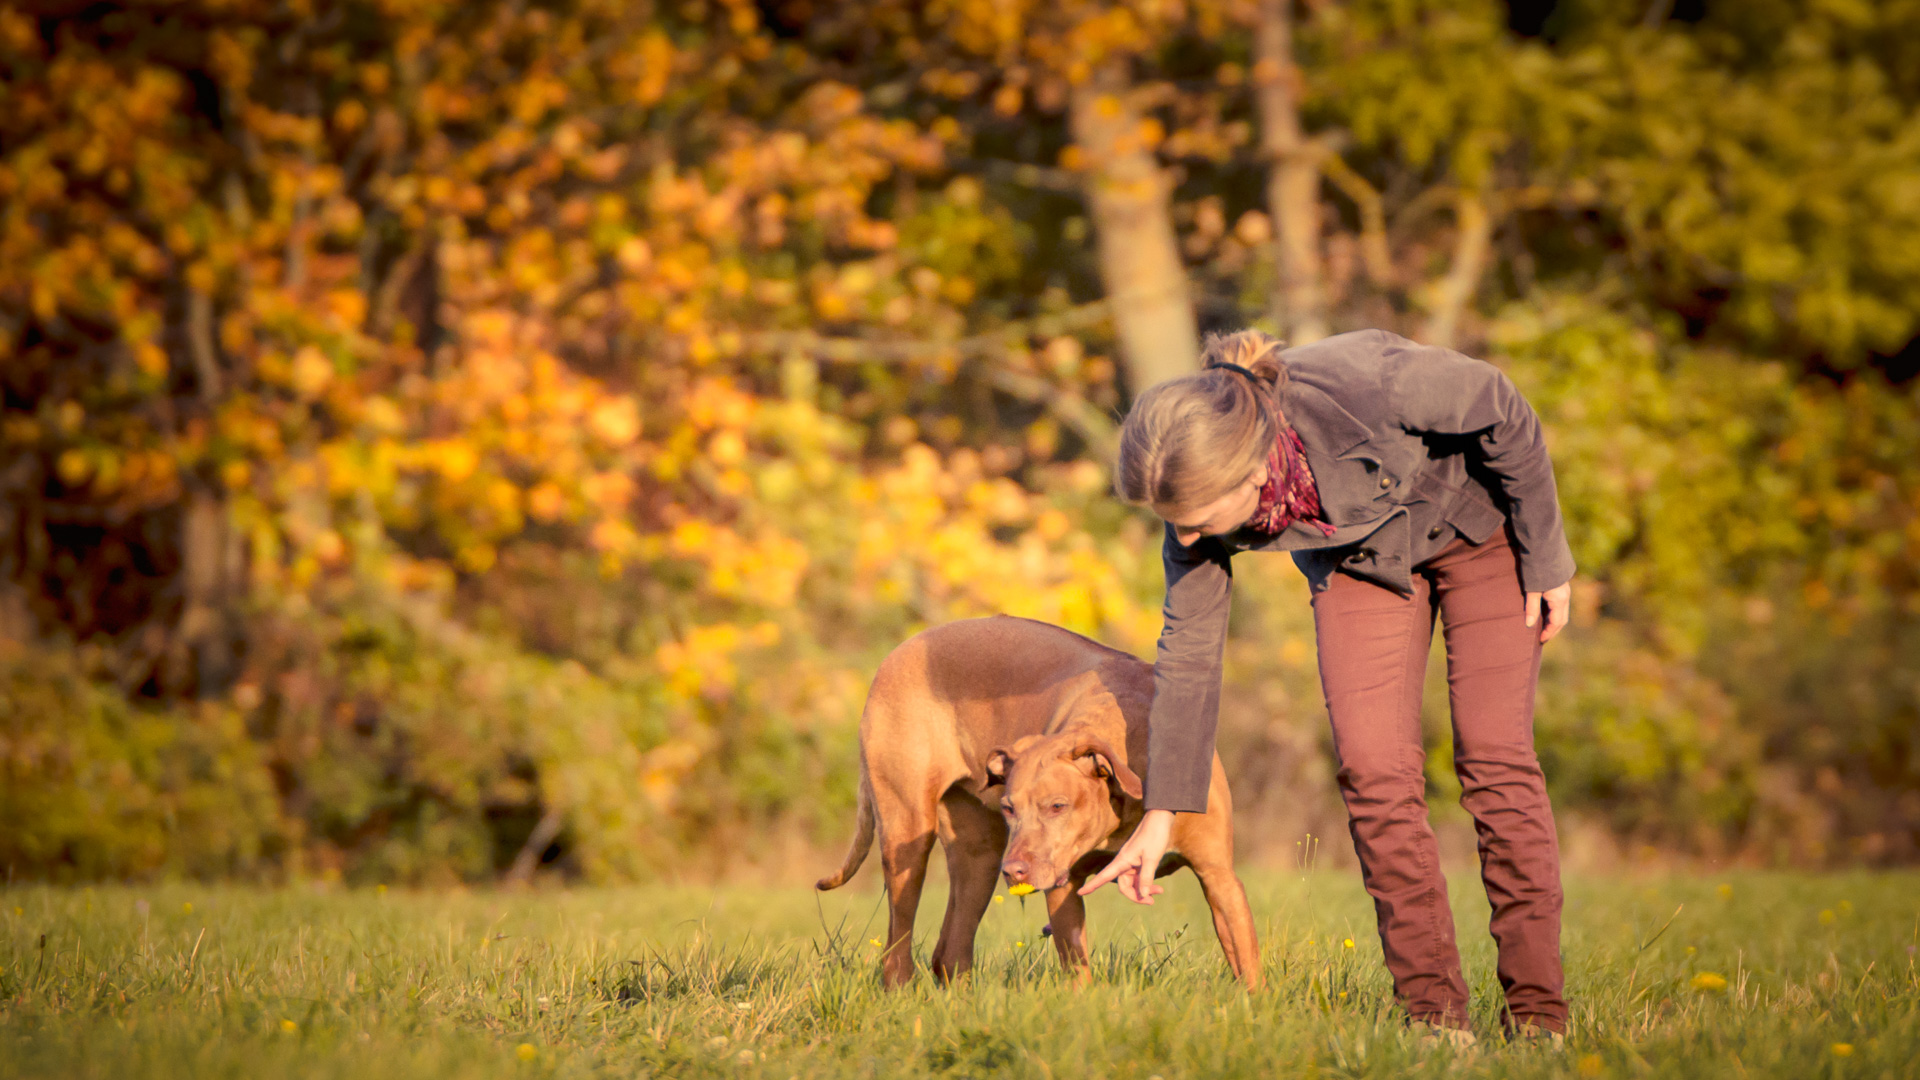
[1058, 801]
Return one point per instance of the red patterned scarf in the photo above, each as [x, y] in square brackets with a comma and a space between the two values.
[1289, 494]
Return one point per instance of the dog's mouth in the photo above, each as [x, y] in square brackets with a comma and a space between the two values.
[1024, 887]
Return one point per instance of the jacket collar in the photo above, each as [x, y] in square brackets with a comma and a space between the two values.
[1324, 425]
[1334, 439]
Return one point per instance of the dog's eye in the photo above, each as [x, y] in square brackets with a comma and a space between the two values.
[1006, 808]
[1057, 806]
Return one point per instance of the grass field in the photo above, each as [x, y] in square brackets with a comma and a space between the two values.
[1757, 975]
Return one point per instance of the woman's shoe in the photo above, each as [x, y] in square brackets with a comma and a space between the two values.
[1536, 1037]
[1432, 1035]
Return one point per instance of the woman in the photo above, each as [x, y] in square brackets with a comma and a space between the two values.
[1407, 481]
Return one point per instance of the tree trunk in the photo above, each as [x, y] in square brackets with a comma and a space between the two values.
[1471, 242]
[202, 642]
[1293, 179]
[1139, 261]
[200, 656]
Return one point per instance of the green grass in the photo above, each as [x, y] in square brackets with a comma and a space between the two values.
[753, 982]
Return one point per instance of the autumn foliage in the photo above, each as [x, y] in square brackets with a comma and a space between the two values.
[442, 440]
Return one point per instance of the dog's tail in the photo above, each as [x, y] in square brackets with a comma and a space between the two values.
[862, 838]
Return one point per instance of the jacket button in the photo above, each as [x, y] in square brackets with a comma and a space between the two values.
[1386, 481]
[1434, 533]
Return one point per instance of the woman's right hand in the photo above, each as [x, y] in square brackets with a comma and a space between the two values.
[1132, 869]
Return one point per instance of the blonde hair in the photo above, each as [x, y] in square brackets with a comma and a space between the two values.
[1191, 439]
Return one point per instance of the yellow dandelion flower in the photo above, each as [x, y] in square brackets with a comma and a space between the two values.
[1590, 1066]
[1725, 890]
[289, 1026]
[1019, 944]
[1347, 943]
[1691, 950]
[1343, 995]
[999, 899]
[1842, 1049]
[1021, 889]
[186, 908]
[875, 942]
[525, 1052]
[1826, 916]
[1710, 982]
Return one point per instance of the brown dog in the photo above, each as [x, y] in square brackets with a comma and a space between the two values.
[1009, 735]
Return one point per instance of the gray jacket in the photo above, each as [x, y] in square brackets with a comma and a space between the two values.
[1410, 445]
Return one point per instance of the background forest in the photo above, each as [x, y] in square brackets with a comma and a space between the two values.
[443, 440]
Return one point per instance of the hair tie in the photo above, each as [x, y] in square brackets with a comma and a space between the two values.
[1255, 379]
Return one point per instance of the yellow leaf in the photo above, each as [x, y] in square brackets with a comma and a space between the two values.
[347, 305]
[73, 468]
[615, 421]
[312, 371]
[329, 548]
[727, 448]
[150, 358]
[546, 502]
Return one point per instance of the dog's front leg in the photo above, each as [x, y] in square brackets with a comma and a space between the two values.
[1067, 914]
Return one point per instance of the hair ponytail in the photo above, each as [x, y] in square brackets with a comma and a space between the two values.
[1191, 439]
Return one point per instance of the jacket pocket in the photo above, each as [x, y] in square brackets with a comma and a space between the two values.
[1465, 506]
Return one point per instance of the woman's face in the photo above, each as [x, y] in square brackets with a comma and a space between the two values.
[1222, 515]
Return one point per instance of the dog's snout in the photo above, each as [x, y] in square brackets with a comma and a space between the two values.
[1017, 871]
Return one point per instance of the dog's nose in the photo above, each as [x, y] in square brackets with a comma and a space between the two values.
[1016, 871]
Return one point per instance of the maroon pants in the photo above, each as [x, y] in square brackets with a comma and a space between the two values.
[1373, 659]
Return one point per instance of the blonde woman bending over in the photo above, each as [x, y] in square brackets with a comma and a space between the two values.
[1408, 482]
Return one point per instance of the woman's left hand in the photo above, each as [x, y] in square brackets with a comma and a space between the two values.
[1559, 603]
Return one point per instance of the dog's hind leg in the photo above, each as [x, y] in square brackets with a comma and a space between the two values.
[1232, 919]
[907, 817]
[906, 839]
[974, 838]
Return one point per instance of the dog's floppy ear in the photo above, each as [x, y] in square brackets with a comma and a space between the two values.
[998, 763]
[1107, 765]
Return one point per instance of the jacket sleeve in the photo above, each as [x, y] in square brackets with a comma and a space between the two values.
[1186, 674]
[1439, 390]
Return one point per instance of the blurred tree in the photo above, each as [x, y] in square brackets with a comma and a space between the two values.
[509, 432]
